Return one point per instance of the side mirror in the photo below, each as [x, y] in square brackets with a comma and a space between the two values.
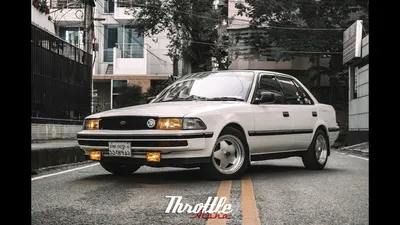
[149, 99]
[264, 97]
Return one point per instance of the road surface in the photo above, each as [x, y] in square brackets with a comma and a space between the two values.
[272, 192]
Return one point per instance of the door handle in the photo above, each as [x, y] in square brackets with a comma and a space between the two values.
[314, 114]
[285, 114]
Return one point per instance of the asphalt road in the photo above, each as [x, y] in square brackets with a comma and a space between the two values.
[273, 192]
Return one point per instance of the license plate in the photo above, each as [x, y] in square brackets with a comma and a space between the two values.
[119, 149]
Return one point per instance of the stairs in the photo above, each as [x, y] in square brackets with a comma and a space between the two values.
[110, 69]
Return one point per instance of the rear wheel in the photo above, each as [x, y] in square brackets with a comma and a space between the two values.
[317, 154]
[230, 158]
[119, 169]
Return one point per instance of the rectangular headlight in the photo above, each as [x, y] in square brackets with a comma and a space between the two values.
[180, 124]
[169, 124]
[91, 124]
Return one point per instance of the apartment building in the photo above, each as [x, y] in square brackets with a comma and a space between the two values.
[121, 57]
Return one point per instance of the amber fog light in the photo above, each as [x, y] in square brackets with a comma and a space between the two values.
[95, 155]
[153, 156]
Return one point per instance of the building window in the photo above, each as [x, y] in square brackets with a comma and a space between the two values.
[130, 44]
[354, 79]
[110, 41]
[71, 34]
[109, 6]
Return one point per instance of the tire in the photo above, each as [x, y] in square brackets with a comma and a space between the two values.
[238, 154]
[317, 154]
[119, 169]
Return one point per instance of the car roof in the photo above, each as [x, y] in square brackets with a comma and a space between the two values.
[199, 75]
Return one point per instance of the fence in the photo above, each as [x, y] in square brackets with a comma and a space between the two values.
[61, 77]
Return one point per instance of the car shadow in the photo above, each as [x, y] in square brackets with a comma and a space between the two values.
[194, 176]
[153, 177]
[286, 171]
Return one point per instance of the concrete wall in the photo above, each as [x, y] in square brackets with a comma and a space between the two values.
[41, 20]
[54, 131]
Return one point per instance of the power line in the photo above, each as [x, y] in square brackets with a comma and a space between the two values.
[237, 19]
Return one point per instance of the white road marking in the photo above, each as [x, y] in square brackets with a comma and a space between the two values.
[359, 157]
[62, 172]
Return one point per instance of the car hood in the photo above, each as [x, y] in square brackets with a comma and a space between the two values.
[167, 109]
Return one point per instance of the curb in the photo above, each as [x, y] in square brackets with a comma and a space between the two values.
[360, 149]
[49, 157]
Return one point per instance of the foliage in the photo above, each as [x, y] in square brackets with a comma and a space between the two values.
[130, 96]
[190, 25]
[314, 14]
[41, 5]
[157, 86]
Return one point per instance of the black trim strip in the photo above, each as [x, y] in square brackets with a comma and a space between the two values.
[333, 129]
[163, 162]
[142, 136]
[279, 132]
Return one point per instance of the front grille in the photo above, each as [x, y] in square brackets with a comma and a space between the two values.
[126, 123]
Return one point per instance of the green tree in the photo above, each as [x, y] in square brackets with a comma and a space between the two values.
[301, 25]
[190, 25]
[130, 96]
[308, 28]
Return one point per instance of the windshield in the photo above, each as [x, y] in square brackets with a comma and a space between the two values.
[219, 86]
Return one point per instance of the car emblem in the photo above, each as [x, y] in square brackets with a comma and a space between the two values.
[122, 122]
[151, 123]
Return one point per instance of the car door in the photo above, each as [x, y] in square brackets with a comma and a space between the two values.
[302, 112]
[272, 123]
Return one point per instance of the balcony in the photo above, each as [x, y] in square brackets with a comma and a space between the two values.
[121, 7]
[129, 58]
[67, 13]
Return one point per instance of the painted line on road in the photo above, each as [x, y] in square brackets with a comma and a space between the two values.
[358, 157]
[250, 214]
[62, 172]
[224, 190]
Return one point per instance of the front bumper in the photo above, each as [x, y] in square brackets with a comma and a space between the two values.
[175, 147]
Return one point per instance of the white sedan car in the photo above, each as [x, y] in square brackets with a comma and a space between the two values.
[218, 121]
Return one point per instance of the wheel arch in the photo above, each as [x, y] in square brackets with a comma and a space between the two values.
[240, 128]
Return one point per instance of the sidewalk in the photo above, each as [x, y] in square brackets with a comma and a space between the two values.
[49, 153]
[362, 148]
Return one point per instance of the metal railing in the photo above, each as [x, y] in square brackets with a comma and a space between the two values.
[61, 77]
[65, 4]
[129, 50]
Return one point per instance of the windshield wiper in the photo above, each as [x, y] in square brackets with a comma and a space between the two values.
[225, 99]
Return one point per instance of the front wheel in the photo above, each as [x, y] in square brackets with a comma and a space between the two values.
[230, 158]
[317, 154]
[119, 168]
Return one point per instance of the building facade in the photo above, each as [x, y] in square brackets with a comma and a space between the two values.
[121, 57]
[358, 127]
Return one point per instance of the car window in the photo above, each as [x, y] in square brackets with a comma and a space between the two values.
[270, 84]
[291, 92]
[303, 94]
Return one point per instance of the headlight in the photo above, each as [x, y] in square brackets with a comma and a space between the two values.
[193, 124]
[91, 124]
[180, 124]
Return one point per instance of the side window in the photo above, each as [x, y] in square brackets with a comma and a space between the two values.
[270, 84]
[292, 93]
[304, 95]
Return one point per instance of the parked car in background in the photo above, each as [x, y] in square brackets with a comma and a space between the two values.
[218, 121]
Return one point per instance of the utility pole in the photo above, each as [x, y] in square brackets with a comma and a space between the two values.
[87, 43]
